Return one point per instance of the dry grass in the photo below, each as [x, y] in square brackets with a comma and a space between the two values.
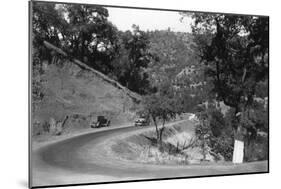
[179, 147]
[69, 90]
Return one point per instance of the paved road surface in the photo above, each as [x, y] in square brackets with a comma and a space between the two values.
[82, 160]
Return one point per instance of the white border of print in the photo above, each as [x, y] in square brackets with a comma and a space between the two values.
[14, 92]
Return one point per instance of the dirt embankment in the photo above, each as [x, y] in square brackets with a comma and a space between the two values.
[180, 146]
[73, 97]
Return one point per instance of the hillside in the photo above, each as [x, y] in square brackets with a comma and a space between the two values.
[74, 95]
[176, 53]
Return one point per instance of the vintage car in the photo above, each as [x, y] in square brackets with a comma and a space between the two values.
[101, 122]
[142, 121]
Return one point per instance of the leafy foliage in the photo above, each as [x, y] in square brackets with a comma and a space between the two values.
[47, 23]
[90, 36]
[236, 57]
[175, 52]
[81, 30]
[214, 131]
[161, 107]
[134, 57]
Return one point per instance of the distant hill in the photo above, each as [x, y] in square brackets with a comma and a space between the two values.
[175, 50]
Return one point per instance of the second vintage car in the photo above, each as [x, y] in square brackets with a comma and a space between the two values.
[142, 121]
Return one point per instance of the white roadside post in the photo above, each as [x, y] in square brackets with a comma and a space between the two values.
[238, 152]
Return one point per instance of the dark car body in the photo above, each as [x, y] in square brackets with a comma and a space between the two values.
[101, 122]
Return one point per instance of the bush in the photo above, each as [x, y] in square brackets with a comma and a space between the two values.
[222, 145]
[211, 121]
[256, 146]
[257, 150]
[215, 132]
[217, 122]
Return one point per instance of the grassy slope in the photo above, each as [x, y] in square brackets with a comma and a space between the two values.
[78, 93]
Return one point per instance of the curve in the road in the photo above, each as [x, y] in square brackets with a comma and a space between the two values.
[81, 154]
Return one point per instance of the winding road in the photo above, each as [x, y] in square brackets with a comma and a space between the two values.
[83, 159]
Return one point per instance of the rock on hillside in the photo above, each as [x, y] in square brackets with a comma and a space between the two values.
[73, 96]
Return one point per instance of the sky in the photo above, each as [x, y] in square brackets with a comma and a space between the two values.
[124, 18]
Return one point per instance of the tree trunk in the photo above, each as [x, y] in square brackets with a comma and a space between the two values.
[156, 128]
[160, 135]
[161, 132]
[160, 142]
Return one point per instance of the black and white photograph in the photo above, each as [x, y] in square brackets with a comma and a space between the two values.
[126, 94]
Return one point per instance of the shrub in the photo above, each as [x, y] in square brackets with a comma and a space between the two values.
[217, 122]
[222, 145]
[46, 126]
[257, 150]
[256, 146]
[214, 131]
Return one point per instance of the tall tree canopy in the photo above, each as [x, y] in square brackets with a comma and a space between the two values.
[235, 53]
[90, 36]
[133, 60]
[81, 30]
[47, 24]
